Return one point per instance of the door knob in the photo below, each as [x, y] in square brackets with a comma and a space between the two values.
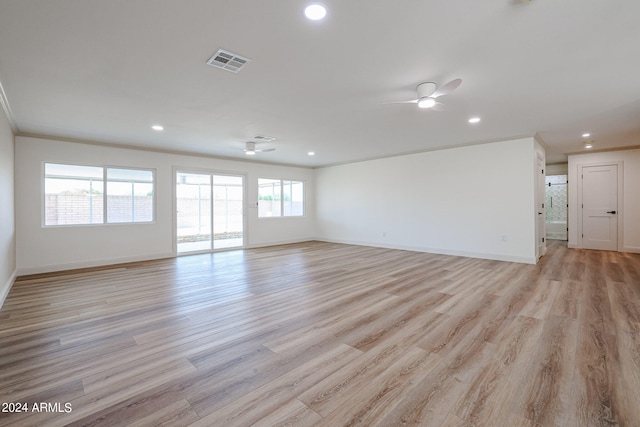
[611, 212]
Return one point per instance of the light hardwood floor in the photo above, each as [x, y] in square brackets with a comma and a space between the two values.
[329, 335]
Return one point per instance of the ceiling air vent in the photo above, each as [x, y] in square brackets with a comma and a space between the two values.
[264, 138]
[228, 61]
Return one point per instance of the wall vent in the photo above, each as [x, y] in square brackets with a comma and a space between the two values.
[228, 61]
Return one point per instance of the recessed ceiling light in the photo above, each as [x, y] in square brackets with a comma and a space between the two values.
[474, 120]
[588, 144]
[586, 135]
[311, 153]
[157, 127]
[315, 12]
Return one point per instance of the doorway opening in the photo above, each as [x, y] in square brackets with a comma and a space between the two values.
[556, 207]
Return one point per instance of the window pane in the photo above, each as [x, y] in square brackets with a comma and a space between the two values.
[143, 200]
[73, 194]
[228, 221]
[67, 171]
[119, 202]
[269, 197]
[293, 198]
[129, 195]
[193, 202]
[136, 175]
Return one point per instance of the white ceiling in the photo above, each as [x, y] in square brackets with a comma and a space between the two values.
[106, 71]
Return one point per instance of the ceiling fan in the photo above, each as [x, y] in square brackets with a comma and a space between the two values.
[428, 92]
[251, 150]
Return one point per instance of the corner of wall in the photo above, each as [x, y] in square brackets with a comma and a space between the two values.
[8, 130]
[4, 291]
[540, 142]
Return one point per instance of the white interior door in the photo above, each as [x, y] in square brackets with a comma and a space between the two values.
[600, 207]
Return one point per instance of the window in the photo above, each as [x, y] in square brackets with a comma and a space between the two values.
[129, 195]
[269, 200]
[292, 200]
[75, 195]
[280, 198]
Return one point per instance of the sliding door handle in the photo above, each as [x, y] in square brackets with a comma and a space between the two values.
[611, 212]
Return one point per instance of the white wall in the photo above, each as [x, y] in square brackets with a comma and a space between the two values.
[41, 249]
[7, 217]
[458, 201]
[630, 208]
[557, 169]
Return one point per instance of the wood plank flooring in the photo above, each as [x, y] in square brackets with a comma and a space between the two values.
[321, 334]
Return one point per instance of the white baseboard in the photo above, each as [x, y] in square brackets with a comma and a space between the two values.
[481, 255]
[4, 291]
[631, 249]
[89, 264]
[112, 261]
[279, 242]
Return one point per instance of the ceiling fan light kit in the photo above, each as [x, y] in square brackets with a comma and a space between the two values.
[425, 90]
[251, 150]
[428, 92]
[426, 102]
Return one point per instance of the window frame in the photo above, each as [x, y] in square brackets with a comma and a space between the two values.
[104, 195]
[282, 197]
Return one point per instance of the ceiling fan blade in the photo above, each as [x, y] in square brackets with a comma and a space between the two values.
[439, 106]
[413, 101]
[266, 150]
[447, 88]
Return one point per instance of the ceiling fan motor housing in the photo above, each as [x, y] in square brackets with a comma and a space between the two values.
[426, 89]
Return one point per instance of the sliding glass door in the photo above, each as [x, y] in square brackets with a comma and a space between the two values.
[210, 211]
[228, 221]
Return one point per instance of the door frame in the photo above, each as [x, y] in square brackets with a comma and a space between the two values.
[620, 211]
[174, 215]
[540, 199]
